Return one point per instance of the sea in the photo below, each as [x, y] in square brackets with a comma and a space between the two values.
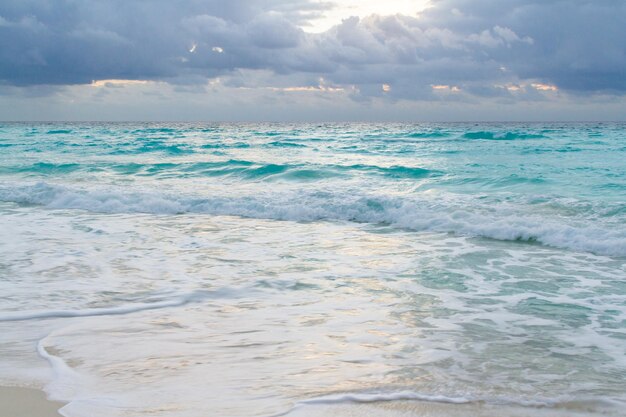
[329, 269]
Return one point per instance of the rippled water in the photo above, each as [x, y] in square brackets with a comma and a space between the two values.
[339, 269]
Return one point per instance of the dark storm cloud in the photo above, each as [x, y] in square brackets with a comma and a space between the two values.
[72, 42]
[577, 44]
[476, 46]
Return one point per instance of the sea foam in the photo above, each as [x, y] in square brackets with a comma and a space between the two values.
[446, 214]
[178, 301]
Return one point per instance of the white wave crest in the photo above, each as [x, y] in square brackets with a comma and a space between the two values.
[193, 297]
[558, 404]
[382, 397]
[467, 216]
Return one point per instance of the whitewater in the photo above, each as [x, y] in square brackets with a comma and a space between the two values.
[195, 269]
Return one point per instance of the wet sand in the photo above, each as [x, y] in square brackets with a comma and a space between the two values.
[26, 402]
[434, 409]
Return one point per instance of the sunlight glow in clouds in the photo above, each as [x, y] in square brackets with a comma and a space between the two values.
[117, 83]
[515, 88]
[544, 87]
[322, 87]
[453, 89]
[346, 8]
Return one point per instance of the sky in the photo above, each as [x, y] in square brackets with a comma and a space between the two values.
[313, 60]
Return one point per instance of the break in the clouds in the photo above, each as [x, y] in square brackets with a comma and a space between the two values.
[452, 50]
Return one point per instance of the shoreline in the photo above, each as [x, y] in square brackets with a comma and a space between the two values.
[27, 402]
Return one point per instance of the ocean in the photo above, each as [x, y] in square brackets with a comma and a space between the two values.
[198, 269]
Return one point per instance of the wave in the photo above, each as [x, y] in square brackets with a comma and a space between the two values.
[268, 133]
[407, 137]
[237, 168]
[360, 398]
[284, 144]
[46, 168]
[564, 403]
[155, 130]
[221, 145]
[164, 148]
[250, 170]
[466, 216]
[383, 397]
[59, 132]
[193, 297]
[428, 135]
[499, 182]
[66, 379]
[395, 171]
[501, 135]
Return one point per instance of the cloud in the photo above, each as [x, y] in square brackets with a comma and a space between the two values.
[72, 42]
[574, 46]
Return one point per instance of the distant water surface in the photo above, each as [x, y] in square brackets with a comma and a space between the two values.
[193, 270]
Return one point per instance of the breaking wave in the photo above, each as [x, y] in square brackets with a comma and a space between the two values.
[413, 212]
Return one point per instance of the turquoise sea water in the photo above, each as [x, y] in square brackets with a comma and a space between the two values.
[260, 269]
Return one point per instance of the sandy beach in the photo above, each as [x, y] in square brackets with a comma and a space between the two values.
[29, 402]
[26, 402]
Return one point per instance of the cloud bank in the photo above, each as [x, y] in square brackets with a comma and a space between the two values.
[455, 50]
